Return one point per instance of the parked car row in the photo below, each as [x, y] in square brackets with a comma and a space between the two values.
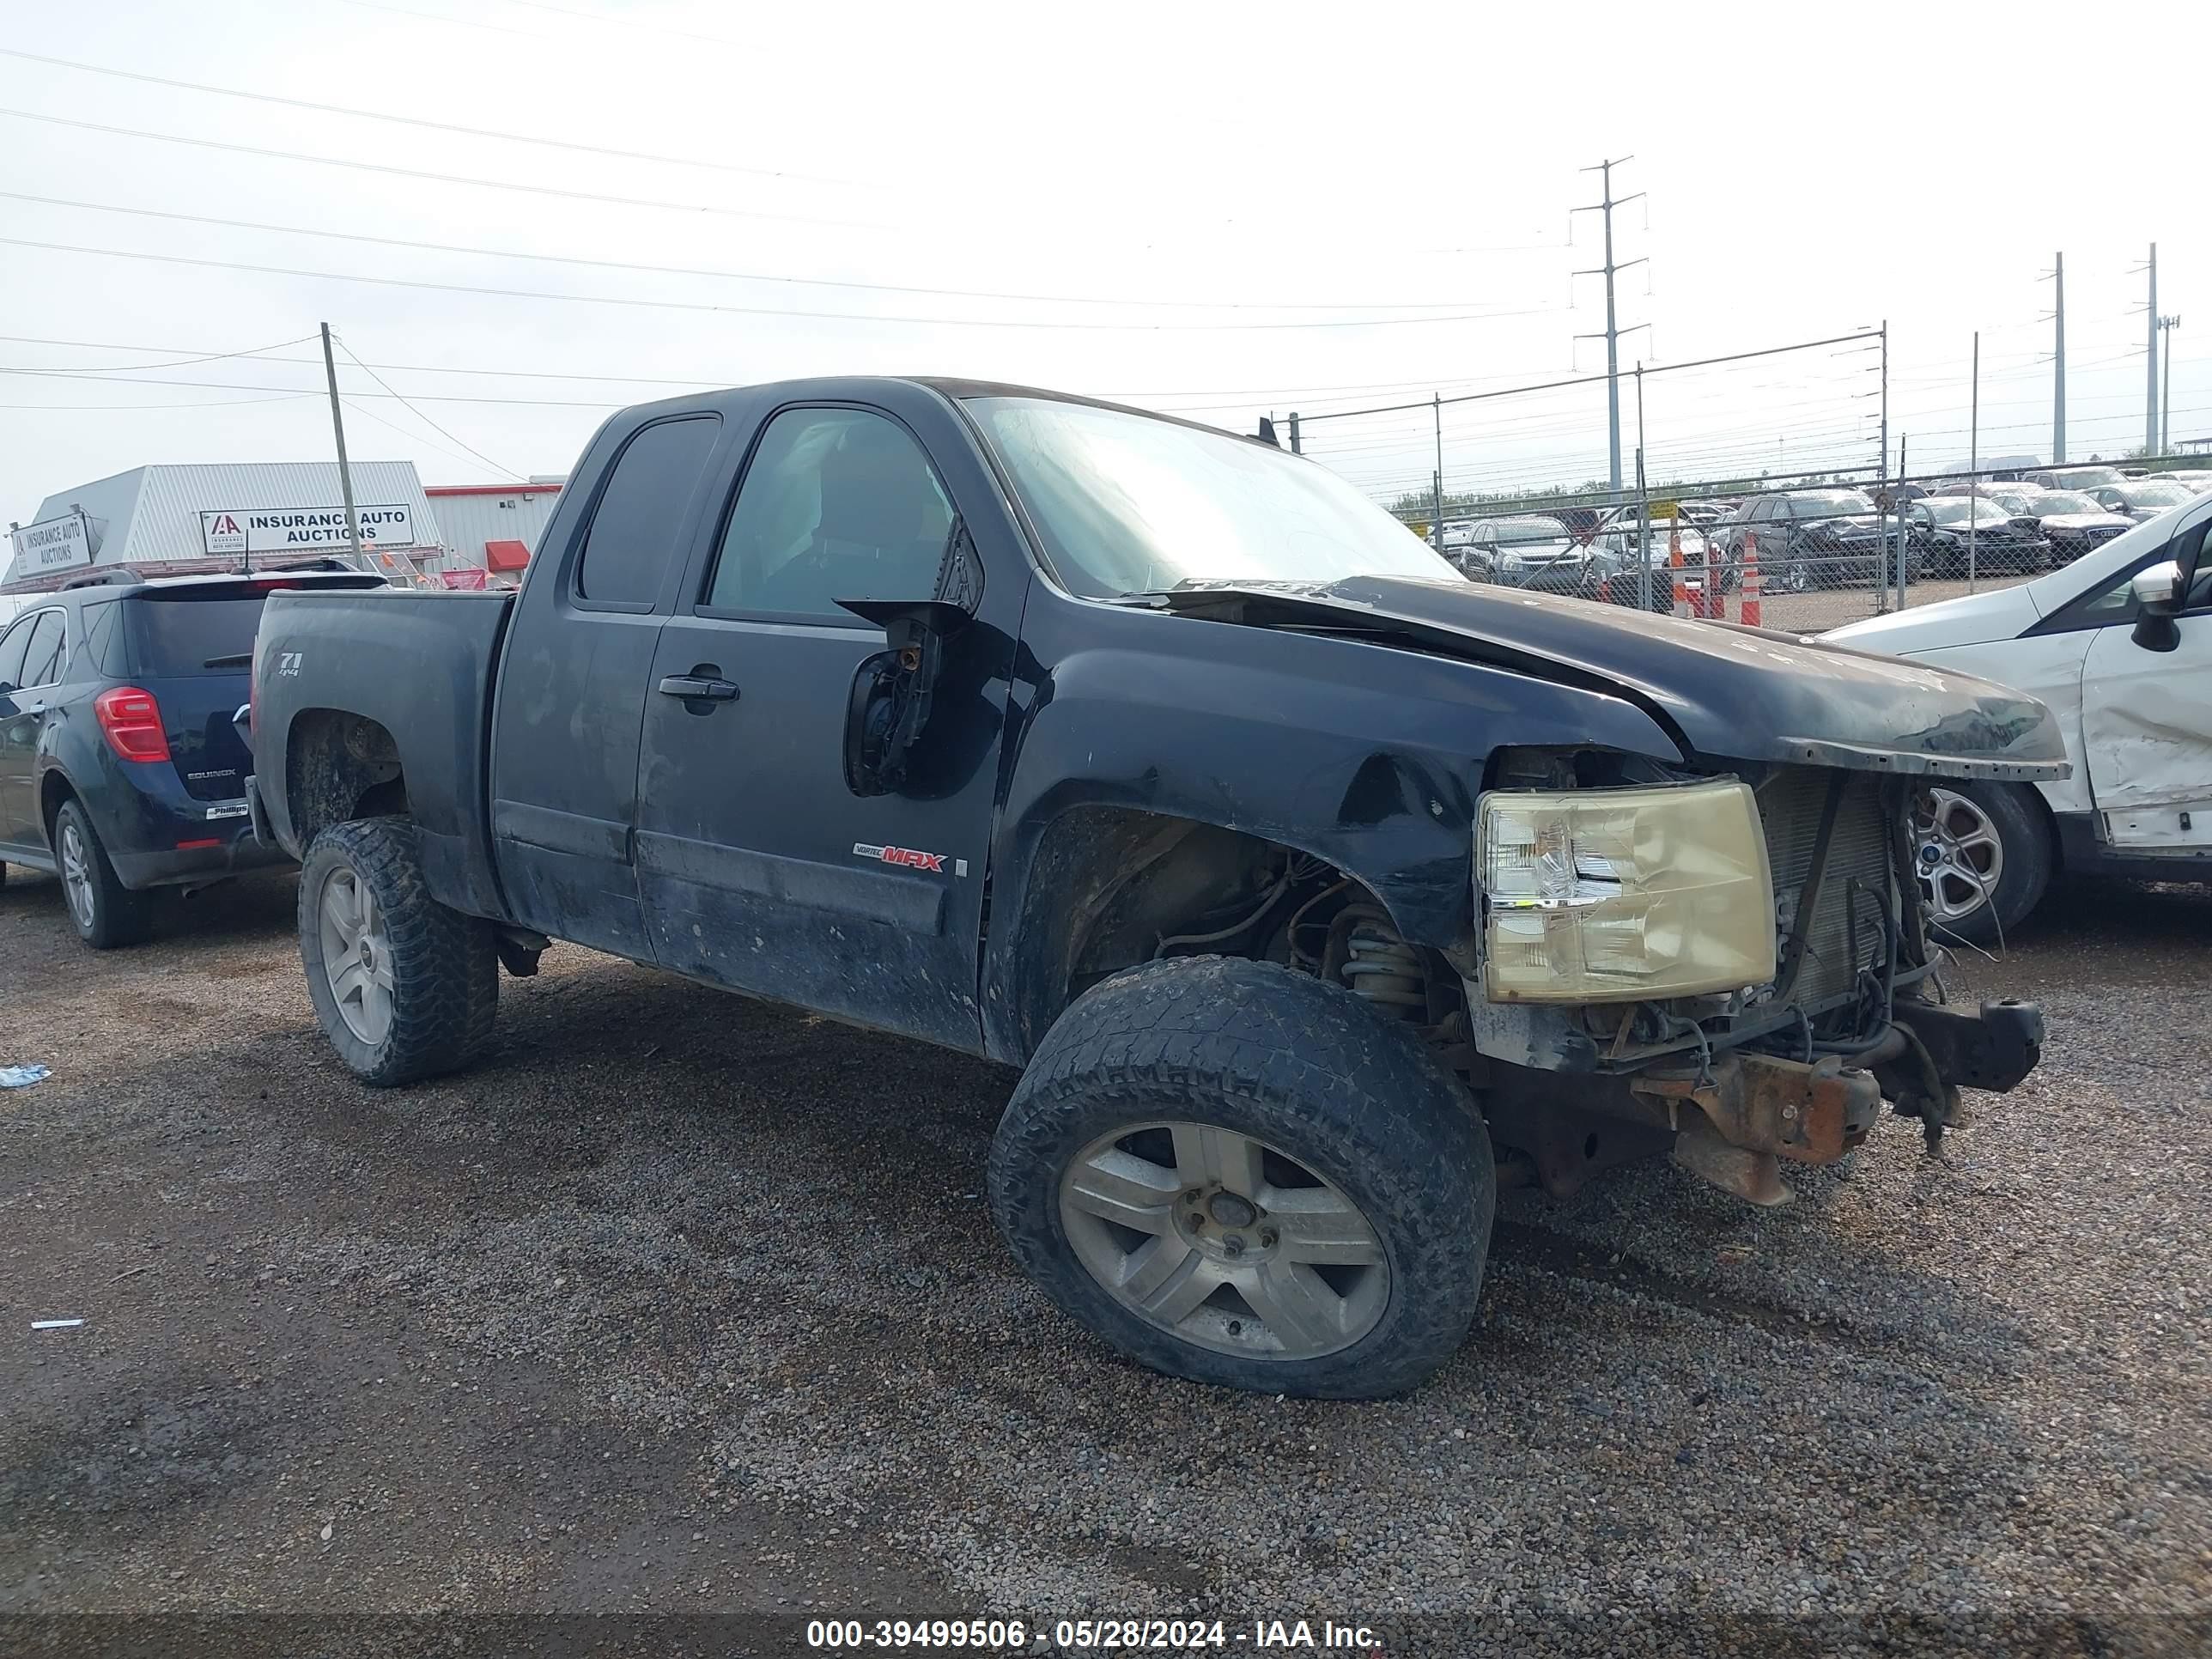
[1822, 538]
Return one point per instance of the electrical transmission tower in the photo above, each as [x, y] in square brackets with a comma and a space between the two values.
[2056, 275]
[1613, 331]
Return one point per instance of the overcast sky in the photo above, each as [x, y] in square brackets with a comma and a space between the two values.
[1290, 208]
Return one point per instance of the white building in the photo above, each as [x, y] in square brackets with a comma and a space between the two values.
[184, 521]
[492, 527]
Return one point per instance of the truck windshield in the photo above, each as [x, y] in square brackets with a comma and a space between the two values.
[1128, 504]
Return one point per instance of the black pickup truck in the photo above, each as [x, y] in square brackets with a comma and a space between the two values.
[1317, 889]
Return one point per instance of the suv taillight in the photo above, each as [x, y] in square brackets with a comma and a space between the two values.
[132, 722]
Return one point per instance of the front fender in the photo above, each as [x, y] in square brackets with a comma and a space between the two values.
[1367, 757]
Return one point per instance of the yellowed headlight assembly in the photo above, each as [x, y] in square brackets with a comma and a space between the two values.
[1620, 894]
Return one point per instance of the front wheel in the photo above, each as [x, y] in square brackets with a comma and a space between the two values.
[1243, 1176]
[403, 986]
[1984, 855]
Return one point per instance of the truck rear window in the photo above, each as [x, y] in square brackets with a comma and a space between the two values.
[181, 634]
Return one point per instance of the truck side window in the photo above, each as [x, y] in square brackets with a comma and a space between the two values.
[633, 534]
[837, 504]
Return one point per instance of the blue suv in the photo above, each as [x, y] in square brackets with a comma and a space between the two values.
[121, 768]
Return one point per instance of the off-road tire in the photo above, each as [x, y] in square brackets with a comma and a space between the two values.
[444, 965]
[2031, 858]
[1304, 1065]
[119, 916]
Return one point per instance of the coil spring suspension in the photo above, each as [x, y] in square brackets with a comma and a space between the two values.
[1374, 962]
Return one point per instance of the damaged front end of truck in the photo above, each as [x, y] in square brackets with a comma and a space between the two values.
[1731, 968]
[1720, 954]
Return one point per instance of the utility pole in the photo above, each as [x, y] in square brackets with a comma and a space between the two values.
[1900, 522]
[2057, 275]
[1883, 503]
[1642, 505]
[1605, 205]
[1974, 460]
[1295, 449]
[2150, 383]
[2166, 324]
[337, 426]
[1885, 403]
[1437, 402]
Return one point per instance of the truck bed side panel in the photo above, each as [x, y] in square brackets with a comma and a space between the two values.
[426, 679]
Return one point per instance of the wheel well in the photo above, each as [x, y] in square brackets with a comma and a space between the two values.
[2040, 809]
[53, 790]
[1110, 888]
[339, 766]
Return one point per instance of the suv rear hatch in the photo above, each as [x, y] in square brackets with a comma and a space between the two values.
[192, 647]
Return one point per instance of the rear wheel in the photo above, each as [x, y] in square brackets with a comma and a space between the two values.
[1985, 855]
[104, 913]
[403, 986]
[1241, 1174]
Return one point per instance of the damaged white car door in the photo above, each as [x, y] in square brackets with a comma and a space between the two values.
[2147, 725]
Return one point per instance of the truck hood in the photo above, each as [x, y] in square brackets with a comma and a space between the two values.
[1724, 691]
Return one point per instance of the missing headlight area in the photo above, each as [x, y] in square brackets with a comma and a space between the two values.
[1732, 966]
[1655, 911]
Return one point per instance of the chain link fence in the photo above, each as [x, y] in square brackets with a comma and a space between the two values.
[1755, 487]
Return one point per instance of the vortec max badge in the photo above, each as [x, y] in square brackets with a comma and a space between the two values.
[908, 857]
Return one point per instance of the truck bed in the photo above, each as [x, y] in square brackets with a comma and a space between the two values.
[421, 666]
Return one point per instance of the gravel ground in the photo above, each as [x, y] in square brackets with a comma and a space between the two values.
[681, 1305]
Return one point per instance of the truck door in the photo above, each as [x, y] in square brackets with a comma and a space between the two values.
[2146, 720]
[760, 869]
[571, 687]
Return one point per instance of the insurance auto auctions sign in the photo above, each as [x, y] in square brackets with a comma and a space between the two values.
[50, 545]
[298, 529]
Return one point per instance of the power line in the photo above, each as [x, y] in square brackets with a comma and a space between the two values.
[711, 384]
[756, 311]
[215, 403]
[1587, 379]
[220, 385]
[723, 276]
[449, 177]
[347, 398]
[435, 126]
[425, 419]
[175, 363]
[416, 369]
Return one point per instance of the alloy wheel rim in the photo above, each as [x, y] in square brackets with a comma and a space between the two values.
[1225, 1242]
[356, 955]
[1958, 852]
[77, 876]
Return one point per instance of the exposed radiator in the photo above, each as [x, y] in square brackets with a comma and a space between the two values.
[1858, 878]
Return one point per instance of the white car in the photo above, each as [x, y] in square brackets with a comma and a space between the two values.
[2119, 645]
